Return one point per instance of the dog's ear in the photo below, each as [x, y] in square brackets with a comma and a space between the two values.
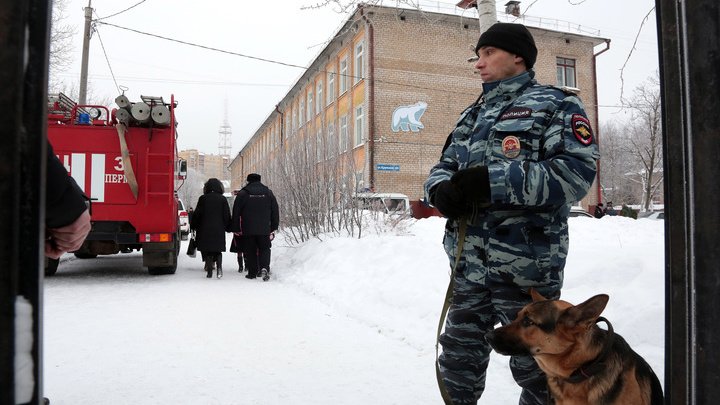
[536, 296]
[584, 314]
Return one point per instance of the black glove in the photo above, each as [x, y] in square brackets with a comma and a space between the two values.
[448, 200]
[473, 184]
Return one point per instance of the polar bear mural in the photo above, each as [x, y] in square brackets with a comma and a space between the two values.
[407, 117]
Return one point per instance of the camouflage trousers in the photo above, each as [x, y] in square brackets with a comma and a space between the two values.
[476, 309]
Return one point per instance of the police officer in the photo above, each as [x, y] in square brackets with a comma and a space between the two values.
[256, 217]
[509, 172]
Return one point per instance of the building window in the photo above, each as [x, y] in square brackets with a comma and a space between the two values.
[343, 140]
[308, 152]
[294, 120]
[331, 143]
[330, 87]
[301, 114]
[318, 145]
[310, 105]
[343, 75]
[319, 98]
[358, 126]
[566, 72]
[359, 65]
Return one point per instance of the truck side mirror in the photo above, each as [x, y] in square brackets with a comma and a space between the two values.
[182, 170]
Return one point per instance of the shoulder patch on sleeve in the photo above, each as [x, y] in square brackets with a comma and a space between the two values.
[582, 129]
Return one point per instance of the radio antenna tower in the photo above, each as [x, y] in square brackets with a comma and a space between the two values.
[224, 135]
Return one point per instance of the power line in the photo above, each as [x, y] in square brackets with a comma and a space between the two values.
[106, 58]
[181, 81]
[439, 89]
[120, 12]
[204, 46]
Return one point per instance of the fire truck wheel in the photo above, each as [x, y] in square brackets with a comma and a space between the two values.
[51, 266]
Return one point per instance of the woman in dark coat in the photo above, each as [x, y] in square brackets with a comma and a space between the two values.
[211, 220]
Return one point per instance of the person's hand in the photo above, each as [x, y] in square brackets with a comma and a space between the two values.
[448, 200]
[67, 238]
[473, 184]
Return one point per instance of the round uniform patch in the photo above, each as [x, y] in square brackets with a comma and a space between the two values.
[582, 129]
[511, 146]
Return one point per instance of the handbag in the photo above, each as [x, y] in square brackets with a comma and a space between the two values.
[192, 246]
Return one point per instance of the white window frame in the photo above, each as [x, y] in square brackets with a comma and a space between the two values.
[318, 96]
[343, 140]
[310, 105]
[330, 87]
[331, 141]
[301, 113]
[318, 145]
[359, 63]
[358, 126]
[343, 75]
[564, 70]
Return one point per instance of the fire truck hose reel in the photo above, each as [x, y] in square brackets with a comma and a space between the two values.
[141, 112]
[127, 164]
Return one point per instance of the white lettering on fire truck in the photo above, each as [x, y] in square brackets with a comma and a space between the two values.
[115, 178]
[76, 164]
[77, 169]
[96, 176]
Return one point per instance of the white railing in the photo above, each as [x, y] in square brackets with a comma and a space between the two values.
[450, 8]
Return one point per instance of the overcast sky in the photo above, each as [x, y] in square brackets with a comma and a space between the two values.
[206, 83]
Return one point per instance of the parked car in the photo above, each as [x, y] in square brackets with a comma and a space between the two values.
[652, 215]
[389, 203]
[184, 220]
[576, 211]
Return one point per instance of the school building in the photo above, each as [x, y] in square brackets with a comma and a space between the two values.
[388, 89]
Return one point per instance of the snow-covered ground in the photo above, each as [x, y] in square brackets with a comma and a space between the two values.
[343, 321]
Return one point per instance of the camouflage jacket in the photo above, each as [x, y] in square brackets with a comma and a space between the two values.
[541, 156]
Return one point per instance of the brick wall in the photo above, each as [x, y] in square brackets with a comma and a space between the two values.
[417, 57]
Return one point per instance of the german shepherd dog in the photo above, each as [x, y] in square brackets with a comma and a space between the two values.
[584, 364]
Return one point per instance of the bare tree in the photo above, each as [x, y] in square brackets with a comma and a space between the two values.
[615, 163]
[316, 181]
[317, 196]
[645, 138]
[61, 45]
[192, 188]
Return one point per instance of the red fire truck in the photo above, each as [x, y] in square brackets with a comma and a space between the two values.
[126, 161]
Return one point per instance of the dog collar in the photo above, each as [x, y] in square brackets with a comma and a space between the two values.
[597, 365]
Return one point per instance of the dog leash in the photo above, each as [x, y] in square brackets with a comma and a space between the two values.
[446, 306]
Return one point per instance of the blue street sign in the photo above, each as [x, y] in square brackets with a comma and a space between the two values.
[387, 168]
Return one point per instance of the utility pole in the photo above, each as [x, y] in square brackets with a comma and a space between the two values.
[487, 14]
[82, 98]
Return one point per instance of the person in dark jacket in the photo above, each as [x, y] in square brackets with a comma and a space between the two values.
[256, 218]
[236, 247]
[67, 218]
[211, 220]
[599, 211]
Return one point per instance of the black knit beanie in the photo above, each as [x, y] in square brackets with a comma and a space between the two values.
[253, 177]
[514, 38]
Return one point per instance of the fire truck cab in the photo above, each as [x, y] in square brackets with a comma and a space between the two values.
[126, 161]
